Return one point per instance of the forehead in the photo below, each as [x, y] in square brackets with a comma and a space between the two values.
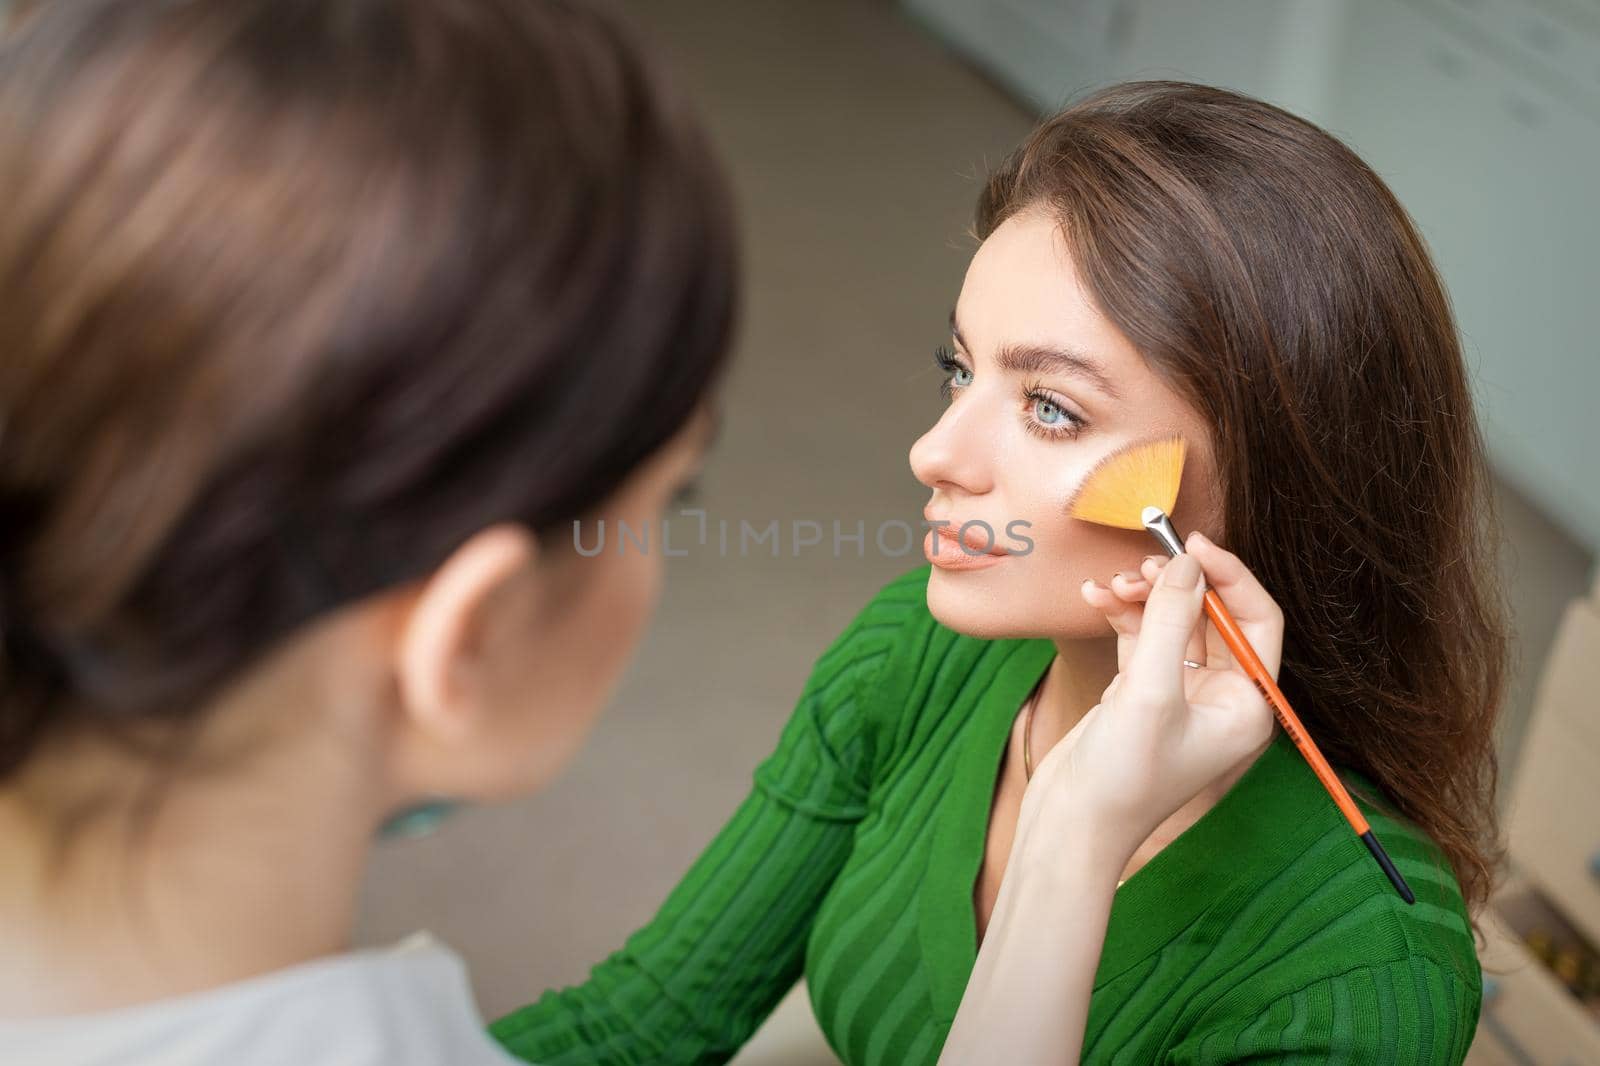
[1022, 288]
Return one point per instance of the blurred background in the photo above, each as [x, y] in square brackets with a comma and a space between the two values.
[857, 132]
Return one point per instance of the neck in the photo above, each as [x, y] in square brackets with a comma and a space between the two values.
[228, 875]
[1077, 676]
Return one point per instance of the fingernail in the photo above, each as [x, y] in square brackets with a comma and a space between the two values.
[1153, 559]
[1181, 573]
[1199, 536]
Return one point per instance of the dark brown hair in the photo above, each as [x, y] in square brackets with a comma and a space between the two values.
[297, 295]
[1273, 279]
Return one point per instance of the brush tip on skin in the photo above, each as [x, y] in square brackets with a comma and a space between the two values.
[1124, 484]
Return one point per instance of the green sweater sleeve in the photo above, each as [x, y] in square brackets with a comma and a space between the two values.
[729, 942]
[1409, 1012]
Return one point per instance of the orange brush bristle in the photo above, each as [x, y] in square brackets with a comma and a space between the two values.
[1127, 481]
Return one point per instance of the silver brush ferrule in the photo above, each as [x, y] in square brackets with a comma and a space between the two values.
[1160, 527]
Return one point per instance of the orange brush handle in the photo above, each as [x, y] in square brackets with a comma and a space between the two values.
[1246, 656]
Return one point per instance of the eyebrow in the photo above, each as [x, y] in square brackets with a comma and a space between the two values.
[1038, 359]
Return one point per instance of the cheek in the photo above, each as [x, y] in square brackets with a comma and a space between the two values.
[1085, 550]
[608, 627]
[635, 592]
[1071, 549]
[1041, 595]
[1036, 594]
[562, 690]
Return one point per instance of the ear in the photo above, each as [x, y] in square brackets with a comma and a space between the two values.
[441, 666]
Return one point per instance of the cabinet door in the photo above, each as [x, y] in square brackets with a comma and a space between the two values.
[1489, 132]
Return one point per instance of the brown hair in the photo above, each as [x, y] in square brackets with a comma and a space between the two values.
[1274, 280]
[297, 295]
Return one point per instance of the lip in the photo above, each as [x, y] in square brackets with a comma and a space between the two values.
[945, 548]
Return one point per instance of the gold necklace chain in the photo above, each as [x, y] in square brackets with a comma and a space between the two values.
[1027, 733]
[1027, 745]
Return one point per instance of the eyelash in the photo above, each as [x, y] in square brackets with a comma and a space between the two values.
[1032, 394]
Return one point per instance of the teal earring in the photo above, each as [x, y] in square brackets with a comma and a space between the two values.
[417, 820]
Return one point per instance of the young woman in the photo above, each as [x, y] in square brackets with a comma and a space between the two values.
[1160, 258]
[322, 320]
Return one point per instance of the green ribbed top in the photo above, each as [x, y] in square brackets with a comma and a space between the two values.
[1264, 932]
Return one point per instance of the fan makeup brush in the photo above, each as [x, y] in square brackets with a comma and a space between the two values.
[1135, 488]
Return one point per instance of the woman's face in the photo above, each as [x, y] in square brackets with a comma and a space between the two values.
[1042, 387]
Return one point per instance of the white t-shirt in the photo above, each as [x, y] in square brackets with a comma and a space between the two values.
[406, 1005]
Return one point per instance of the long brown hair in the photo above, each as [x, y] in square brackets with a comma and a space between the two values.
[1276, 282]
[297, 295]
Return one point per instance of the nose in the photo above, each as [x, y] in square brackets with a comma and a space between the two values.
[951, 455]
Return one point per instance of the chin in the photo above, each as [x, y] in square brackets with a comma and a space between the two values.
[976, 608]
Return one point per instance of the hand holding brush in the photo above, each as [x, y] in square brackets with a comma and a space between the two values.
[1159, 734]
[1136, 488]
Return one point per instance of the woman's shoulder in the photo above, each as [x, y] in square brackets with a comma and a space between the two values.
[1437, 926]
[1316, 933]
[408, 1004]
[1366, 972]
[1347, 921]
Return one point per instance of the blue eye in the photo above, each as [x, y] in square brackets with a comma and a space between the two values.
[1042, 415]
[1048, 419]
[956, 376]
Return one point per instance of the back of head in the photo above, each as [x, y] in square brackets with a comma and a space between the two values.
[296, 295]
[1276, 283]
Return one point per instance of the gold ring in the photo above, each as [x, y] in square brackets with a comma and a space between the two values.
[1191, 664]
